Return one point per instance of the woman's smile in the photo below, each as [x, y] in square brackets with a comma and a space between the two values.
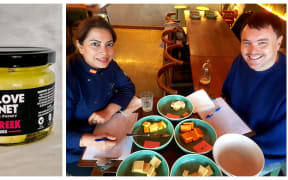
[97, 49]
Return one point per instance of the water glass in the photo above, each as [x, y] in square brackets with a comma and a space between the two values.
[147, 101]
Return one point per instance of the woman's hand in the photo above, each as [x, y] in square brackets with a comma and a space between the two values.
[88, 140]
[104, 115]
[99, 117]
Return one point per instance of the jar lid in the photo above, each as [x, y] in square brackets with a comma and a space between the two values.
[13, 57]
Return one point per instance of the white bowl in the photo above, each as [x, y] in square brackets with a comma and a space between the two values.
[238, 155]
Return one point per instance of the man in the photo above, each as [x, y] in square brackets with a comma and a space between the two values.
[256, 87]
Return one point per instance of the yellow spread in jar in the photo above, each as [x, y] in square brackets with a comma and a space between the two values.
[26, 94]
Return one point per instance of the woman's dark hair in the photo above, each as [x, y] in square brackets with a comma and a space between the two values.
[95, 22]
[261, 20]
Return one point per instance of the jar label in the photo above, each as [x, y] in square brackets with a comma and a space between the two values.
[26, 111]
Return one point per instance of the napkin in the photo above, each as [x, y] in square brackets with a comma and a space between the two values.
[200, 101]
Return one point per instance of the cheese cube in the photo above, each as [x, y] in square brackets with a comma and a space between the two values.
[210, 171]
[185, 128]
[163, 124]
[146, 168]
[151, 171]
[153, 127]
[194, 135]
[146, 129]
[202, 171]
[138, 166]
[176, 105]
[146, 124]
[159, 126]
[154, 173]
[185, 173]
[199, 132]
[155, 162]
[187, 138]
[189, 123]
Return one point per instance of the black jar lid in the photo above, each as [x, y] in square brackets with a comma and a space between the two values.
[13, 57]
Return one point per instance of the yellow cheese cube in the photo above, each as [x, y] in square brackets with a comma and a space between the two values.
[185, 173]
[202, 171]
[151, 171]
[146, 168]
[138, 166]
[155, 162]
[163, 124]
[159, 126]
[146, 124]
[176, 105]
[210, 171]
[146, 129]
[153, 127]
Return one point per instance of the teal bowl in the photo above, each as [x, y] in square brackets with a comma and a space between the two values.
[193, 147]
[125, 168]
[191, 162]
[195, 16]
[139, 129]
[164, 107]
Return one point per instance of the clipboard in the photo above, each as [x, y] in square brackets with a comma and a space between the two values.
[117, 126]
[225, 120]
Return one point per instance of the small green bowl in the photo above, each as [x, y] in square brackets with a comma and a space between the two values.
[164, 107]
[191, 162]
[209, 136]
[195, 16]
[125, 168]
[139, 129]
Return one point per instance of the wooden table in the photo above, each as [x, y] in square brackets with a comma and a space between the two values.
[171, 153]
[211, 39]
[220, 66]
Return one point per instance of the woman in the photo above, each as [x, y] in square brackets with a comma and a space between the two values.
[96, 88]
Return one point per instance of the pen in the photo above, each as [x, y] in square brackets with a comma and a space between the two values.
[102, 139]
[210, 115]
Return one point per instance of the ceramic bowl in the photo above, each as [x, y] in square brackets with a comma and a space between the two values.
[164, 107]
[141, 140]
[125, 168]
[206, 142]
[191, 162]
[238, 155]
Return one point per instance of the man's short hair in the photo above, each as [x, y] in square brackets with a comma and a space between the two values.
[261, 20]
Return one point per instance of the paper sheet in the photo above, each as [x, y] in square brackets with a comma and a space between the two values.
[117, 126]
[200, 101]
[120, 152]
[226, 120]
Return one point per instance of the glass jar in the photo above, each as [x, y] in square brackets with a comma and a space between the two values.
[26, 94]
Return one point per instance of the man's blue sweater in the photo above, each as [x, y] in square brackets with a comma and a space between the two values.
[88, 92]
[259, 98]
